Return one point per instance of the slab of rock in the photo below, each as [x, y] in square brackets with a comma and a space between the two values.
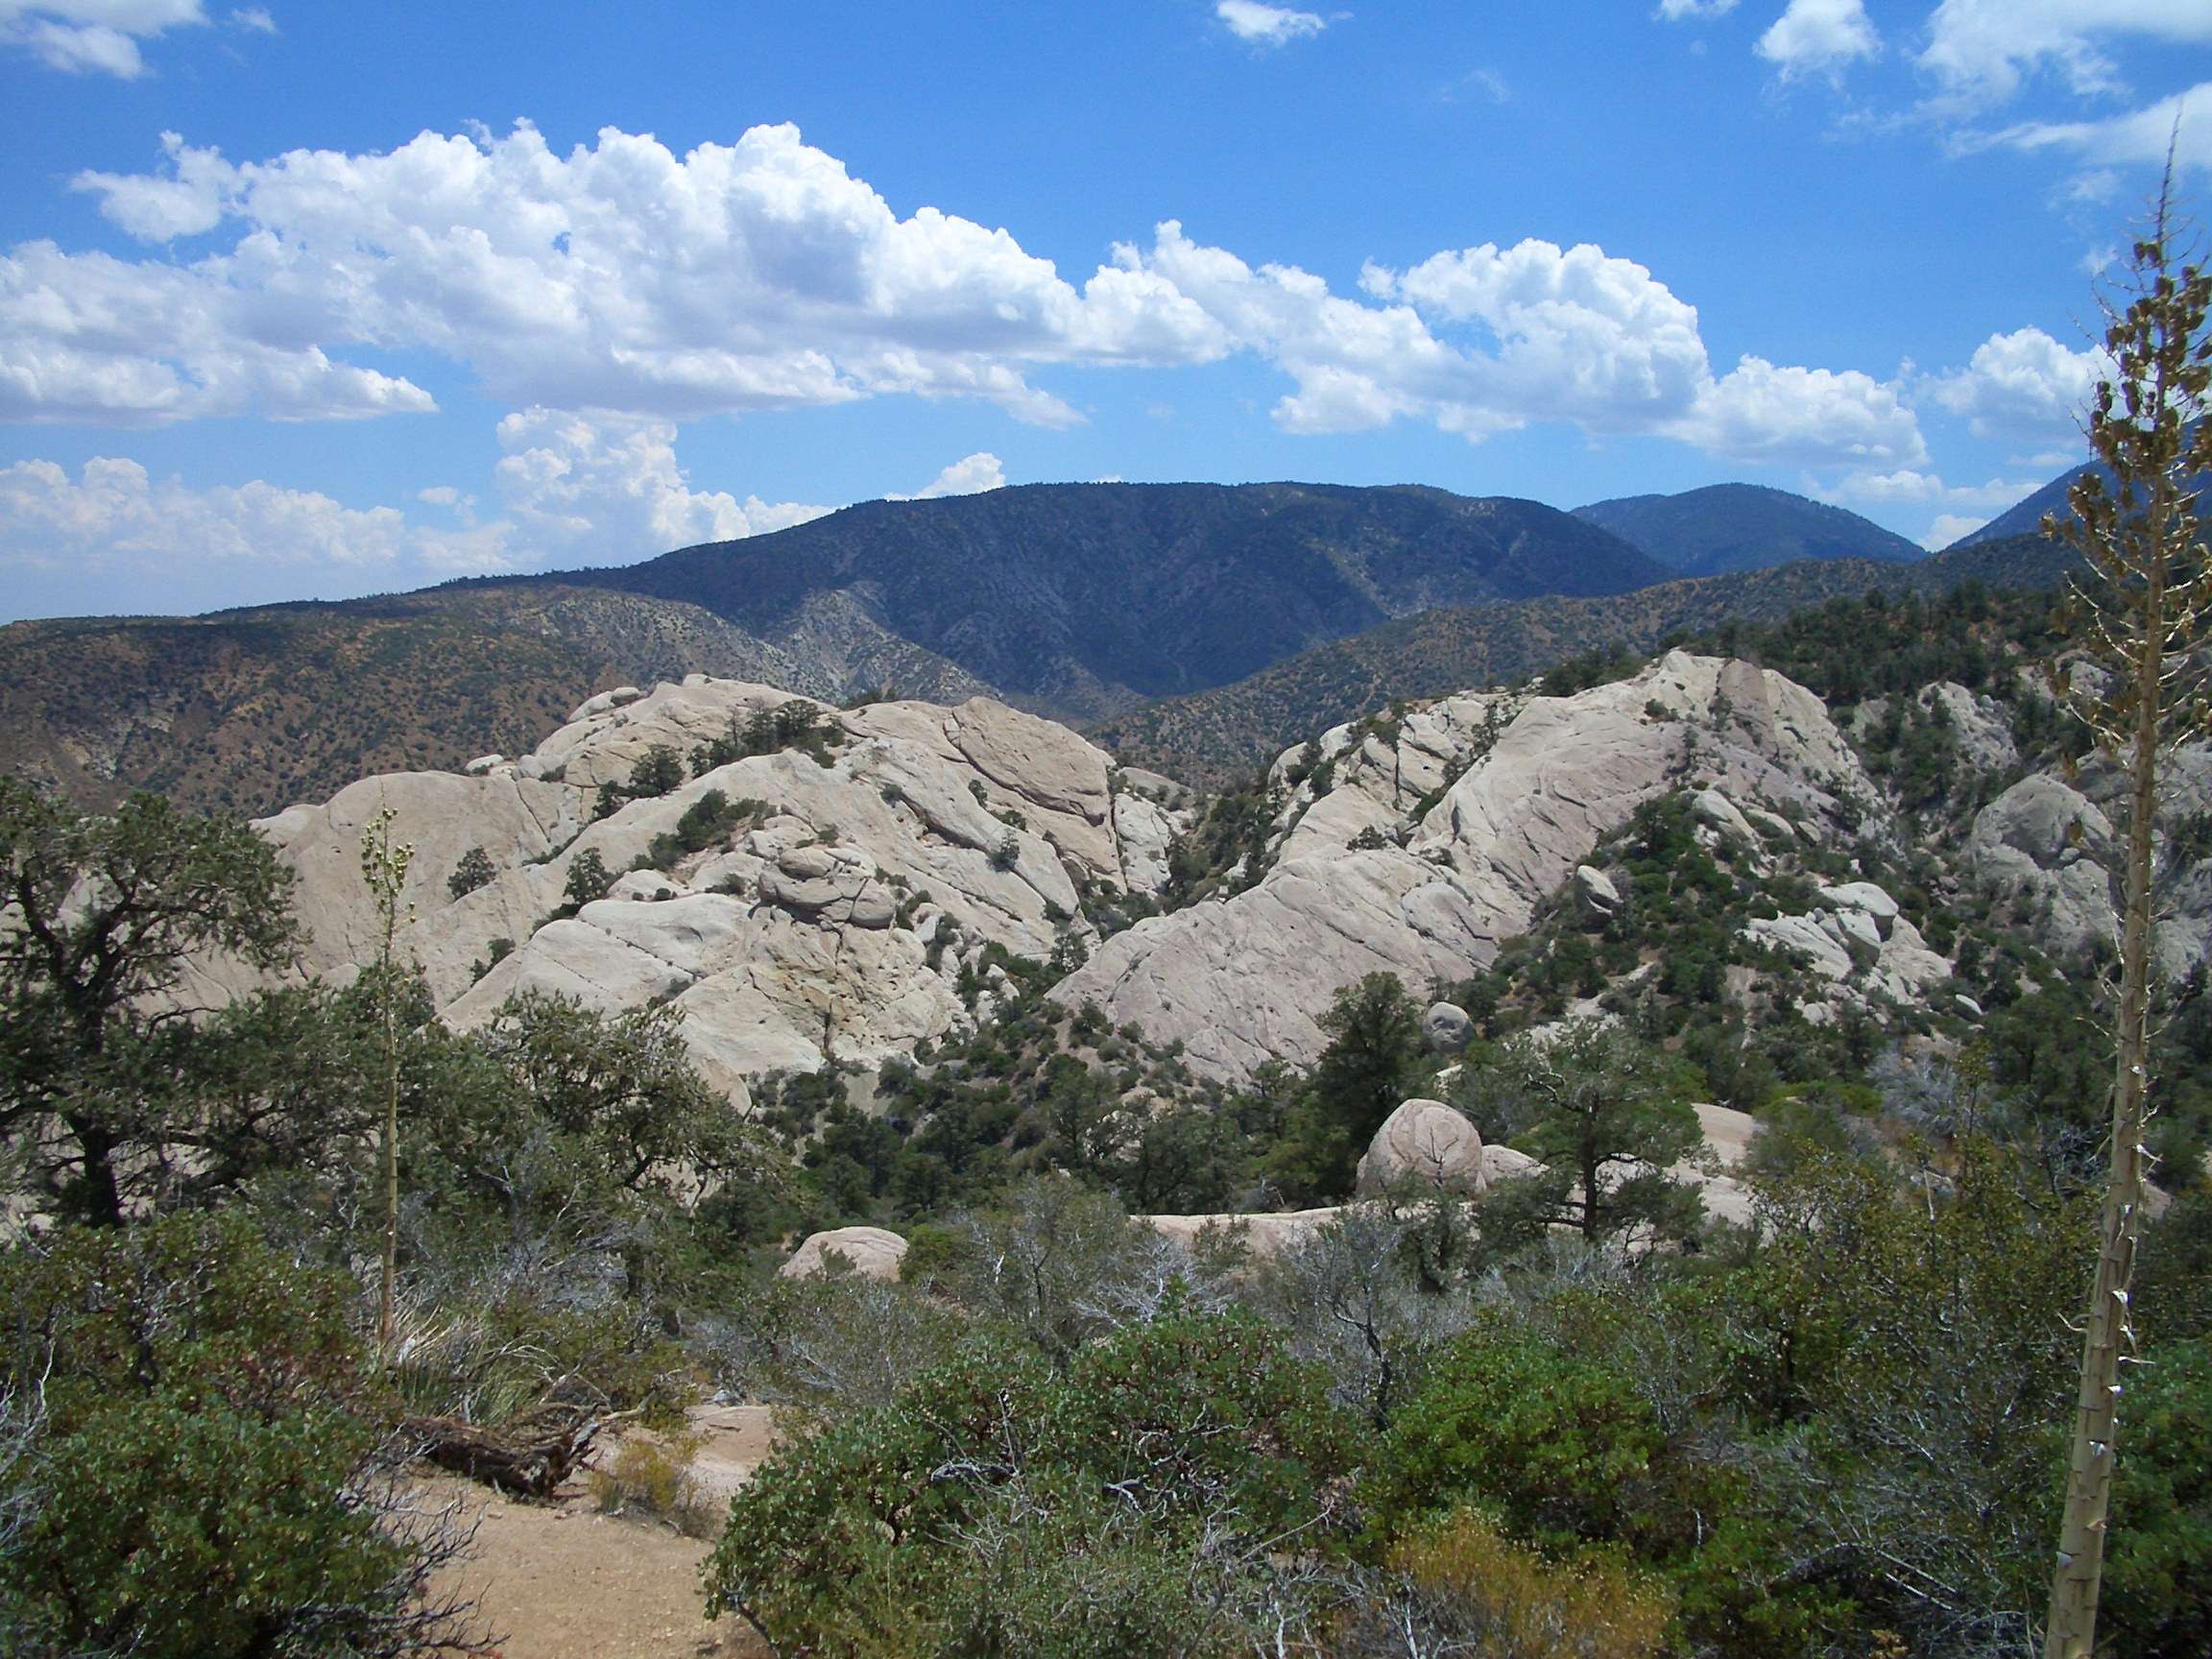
[1771, 825]
[1864, 898]
[1424, 1143]
[1262, 1234]
[871, 1252]
[1446, 1028]
[1983, 730]
[2040, 843]
[1711, 807]
[603, 702]
[1502, 1163]
[1595, 890]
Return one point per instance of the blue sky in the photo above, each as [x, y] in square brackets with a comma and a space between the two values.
[318, 300]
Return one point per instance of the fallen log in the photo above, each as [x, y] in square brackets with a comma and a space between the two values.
[527, 1459]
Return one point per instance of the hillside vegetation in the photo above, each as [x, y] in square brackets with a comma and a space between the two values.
[798, 1059]
[1213, 737]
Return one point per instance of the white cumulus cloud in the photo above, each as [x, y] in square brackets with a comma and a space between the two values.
[970, 476]
[115, 516]
[1267, 25]
[608, 489]
[1484, 340]
[2021, 384]
[92, 36]
[1819, 38]
[570, 489]
[620, 277]
[1907, 485]
[1948, 528]
[1677, 11]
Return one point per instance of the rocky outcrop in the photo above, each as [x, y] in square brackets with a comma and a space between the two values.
[1979, 724]
[868, 1252]
[1260, 1232]
[2041, 843]
[829, 913]
[1424, 1144]
[1596, 891]
[1861, 941]
[1528, 790]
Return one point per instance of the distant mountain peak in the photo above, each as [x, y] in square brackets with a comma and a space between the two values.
[1721, 529]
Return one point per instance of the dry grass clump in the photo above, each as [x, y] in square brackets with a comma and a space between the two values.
[652, 1476]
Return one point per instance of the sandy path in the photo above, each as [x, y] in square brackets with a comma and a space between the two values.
[564, 1581]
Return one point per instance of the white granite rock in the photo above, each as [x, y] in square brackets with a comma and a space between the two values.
[868, 1252]
[1424, 1143]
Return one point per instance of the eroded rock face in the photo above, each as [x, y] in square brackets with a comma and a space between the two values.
[831, 915]
[2043, 841]
[1532, 787]
[870, 1252]
[1424, 1144]
[1978, 724]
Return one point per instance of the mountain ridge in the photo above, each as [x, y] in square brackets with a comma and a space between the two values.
[1725, 529]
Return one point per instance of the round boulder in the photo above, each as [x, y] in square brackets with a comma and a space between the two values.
[871, 1252]
[1446, 1028]
[1426, 1143]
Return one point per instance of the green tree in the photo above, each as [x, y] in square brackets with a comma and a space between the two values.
[474, 870]
[97, 915]
[623, 1086]
[656, 772]
[1601, 1110]
[1373, 1061]
[2161, 1605]
[2151, 588]
[588, 879]
[217, 1477]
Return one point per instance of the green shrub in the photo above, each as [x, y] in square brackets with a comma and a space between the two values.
[1126, 1507]
[1556, 1444]
[215, 1477]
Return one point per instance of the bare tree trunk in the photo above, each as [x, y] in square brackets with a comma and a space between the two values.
[2071, 1628]
[387, 1300]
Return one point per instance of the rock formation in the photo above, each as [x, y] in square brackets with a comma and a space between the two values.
[1484, 805]
[1424, 1144]
[830, 913]
[870, 1252]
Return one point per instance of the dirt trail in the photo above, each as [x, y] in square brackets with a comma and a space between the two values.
[564, 1581]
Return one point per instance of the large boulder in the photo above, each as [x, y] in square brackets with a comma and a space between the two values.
[1424, 1143]
[1595, 890]
[870, 1252]
[1446, 1028]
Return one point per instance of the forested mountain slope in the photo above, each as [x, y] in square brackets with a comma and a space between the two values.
[1081, 600]
[1730, 527]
